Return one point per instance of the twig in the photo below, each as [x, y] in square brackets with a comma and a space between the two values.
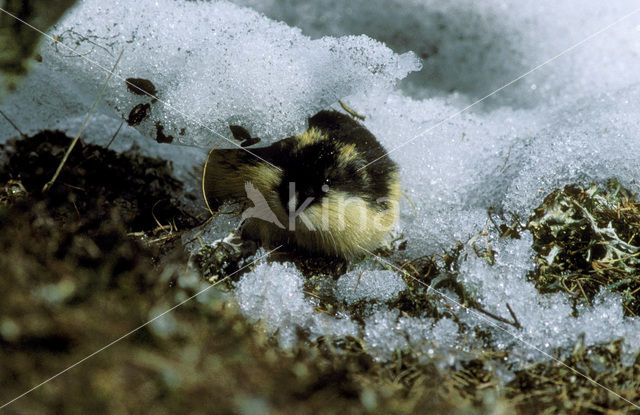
[358, 283]
[514, 323]
[84, 124]
[12, 124]
[415, 211]
[76, 208]
[75, 187]
[582, 291]
[472, 303]
[114, 135]
[629, 310]
[311, 293]
[160, 225]
[513, 316]
[490, 212]
[504, 166]
[351, 111]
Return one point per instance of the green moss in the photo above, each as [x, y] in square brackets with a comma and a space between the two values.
[587, 239]
[72, 284]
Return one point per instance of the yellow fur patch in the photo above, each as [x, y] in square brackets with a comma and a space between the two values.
[347, 153]
[394, 187]
[227, 172]
[311, 136]
[263, 176]
[345, 224]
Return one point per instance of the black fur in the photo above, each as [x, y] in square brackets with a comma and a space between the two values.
[319, 163]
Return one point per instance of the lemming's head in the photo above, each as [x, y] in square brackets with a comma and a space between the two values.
[318, 169]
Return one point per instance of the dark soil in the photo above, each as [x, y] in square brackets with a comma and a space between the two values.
[96, 181]
[76, 276]
[89, 263]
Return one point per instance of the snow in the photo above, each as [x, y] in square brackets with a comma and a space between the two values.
[546, 320]
[574, 120]
[374, 285]
[272, 294]
[212, 64]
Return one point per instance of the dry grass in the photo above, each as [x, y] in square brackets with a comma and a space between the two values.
[73, 283]
[588, 239]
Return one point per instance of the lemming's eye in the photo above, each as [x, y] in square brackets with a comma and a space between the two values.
[325, 185]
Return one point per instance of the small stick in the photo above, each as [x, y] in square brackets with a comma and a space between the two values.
[490, 215]
[514, 323]
[513, 315]
[12, 124]
[504, 166]
[415, 211]
[115, 135]
[351, 111]
[84, 124]
[582, 291]
[358, 283]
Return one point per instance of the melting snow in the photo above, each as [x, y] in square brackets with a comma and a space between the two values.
[575, 120]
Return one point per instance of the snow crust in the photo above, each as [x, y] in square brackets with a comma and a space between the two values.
[574, 120]
[212, 64]
[377, 285]
[272, 294]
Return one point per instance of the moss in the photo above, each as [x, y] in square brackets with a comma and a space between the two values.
[415, 300]
[72, 284]
[588, 239]
[62, 302]
[553, 388]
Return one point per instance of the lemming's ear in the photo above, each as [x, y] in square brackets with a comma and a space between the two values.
[250, 142]
[240, 133]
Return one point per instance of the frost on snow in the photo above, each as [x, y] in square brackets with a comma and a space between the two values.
[573, 121]
[209, 65]
[381, 285]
